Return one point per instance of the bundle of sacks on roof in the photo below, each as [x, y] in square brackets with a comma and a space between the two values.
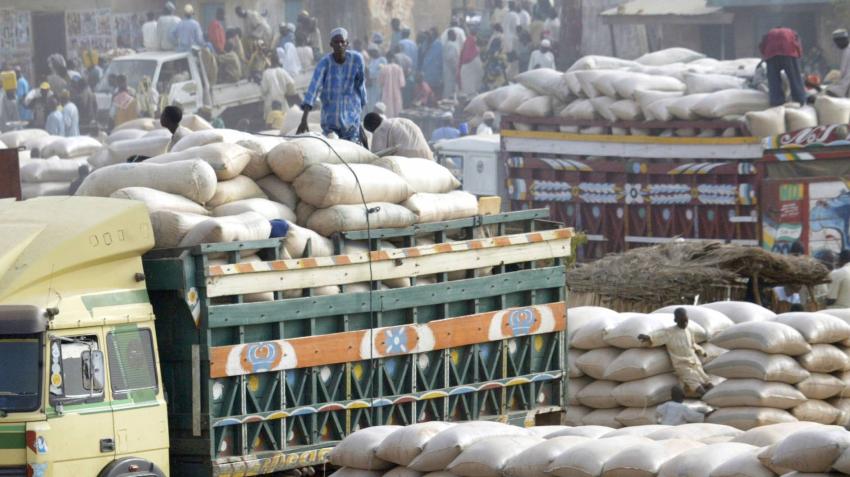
[676, 84]
[221, 185]
[767, 368]
[49, 164]
[490, 449]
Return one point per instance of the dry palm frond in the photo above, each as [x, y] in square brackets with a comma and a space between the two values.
[665, 273]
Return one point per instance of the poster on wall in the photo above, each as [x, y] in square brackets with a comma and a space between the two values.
[15, 39]
[89, 29]
[829, 217]
[782, 215]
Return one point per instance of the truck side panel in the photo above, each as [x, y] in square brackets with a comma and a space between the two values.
[282, 381]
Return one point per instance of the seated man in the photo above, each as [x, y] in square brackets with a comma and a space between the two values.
[229, 65]
[675, 412]
[401, 133]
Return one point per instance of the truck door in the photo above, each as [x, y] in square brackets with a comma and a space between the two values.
[180, 84]
[77, 380]
[141, 428]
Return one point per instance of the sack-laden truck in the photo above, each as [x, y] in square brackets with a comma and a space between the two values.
[119, 361]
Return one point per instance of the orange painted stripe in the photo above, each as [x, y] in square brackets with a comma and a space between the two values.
[309, 263]
[344, 347]
[443, 247]
[502, 241]
[278, 265]
[343, 260]
[216, 270]
[535, 237]
[244, 267]
[412, 252]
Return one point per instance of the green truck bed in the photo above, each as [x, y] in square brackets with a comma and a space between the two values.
[258, 383]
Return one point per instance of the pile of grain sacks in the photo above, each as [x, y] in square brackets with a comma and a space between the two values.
[769, 369]
[676, 84]
[49, 164]
[781, 369]
[490, 449]
[615, 380]
[221, 185]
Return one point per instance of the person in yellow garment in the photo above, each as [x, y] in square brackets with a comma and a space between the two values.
[684, 353]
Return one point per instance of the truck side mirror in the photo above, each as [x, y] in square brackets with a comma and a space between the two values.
[93, 372]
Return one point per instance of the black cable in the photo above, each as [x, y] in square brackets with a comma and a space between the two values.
[368, 231]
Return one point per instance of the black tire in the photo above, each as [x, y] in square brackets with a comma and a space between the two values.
[121, 468]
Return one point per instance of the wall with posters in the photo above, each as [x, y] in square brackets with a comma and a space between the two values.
[16, 39]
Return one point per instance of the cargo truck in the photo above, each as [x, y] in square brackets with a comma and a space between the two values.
[116, 360]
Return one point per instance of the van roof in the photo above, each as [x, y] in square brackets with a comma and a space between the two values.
[161, 56]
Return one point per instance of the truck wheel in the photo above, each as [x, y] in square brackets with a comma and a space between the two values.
[131, 467]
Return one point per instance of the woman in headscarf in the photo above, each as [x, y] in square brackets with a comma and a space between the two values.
[495, 68]
[471, 71]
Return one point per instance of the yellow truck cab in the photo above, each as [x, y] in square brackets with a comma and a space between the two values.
[80, 390]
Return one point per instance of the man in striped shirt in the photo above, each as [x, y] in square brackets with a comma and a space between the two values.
[339, 81]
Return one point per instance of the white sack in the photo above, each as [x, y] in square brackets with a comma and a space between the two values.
[325, 185]
[770, 122]
[821, 386]
[403, 445]
[639, 363]
[753, 393]
[702, 461]
[668, 56]
[765, 336]
[740, 311]
[358, 449]
[800, 118]
[53, 169]
[594, 363]
[227, 160]
[746, 417]
[194, 180]
[422, 175]
[238, 188]
[732, 101]
[439, 207]
[645, 392]
[830, 110]
[267, 208]
[288, 160]
[712, 321]
[156, 200]
[278, 191]
[297, 239]
[170, 227]
[236, 228]
[744, 363]
[697, 83]
[77, 146]
[443, 448]
[347, 218]
[487, 457]
[816, 327]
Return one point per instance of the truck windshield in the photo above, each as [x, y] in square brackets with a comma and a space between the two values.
[134, 70]
[20, 373]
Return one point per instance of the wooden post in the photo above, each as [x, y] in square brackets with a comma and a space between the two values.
[10, 174]
[756, 289]
[569, 44]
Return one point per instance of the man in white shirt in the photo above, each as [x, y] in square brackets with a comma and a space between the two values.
[399, 133]
[524, 18]
[542, 57]
[676, 413]
[150, 40]
[510, 22]
[277, 85]
[486, 126]
[165, 25]
[838, 295]
[842, 87]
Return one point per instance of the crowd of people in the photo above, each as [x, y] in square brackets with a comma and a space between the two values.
[466, 58]
[63, 101]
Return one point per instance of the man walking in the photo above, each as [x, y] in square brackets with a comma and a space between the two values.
[781, 50]
[339, 80]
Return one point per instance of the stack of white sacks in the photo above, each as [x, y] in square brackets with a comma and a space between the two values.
[676, 84]
[615, 380]
[490, 449]
[781, 369]
[767, 369]
[49, 164]
[221, 185]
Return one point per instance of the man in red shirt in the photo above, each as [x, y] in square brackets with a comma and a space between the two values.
[215, 31]
[781, 50]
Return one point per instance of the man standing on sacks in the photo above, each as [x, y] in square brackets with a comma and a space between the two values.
[339, 80]
[684, 354]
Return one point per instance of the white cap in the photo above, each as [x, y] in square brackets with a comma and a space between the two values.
[188, 10]
[489, 115]
[546, 43]
[380, 107]
[840, 33]
[447, 115]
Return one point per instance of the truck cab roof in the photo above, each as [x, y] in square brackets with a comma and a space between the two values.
[61, 251]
